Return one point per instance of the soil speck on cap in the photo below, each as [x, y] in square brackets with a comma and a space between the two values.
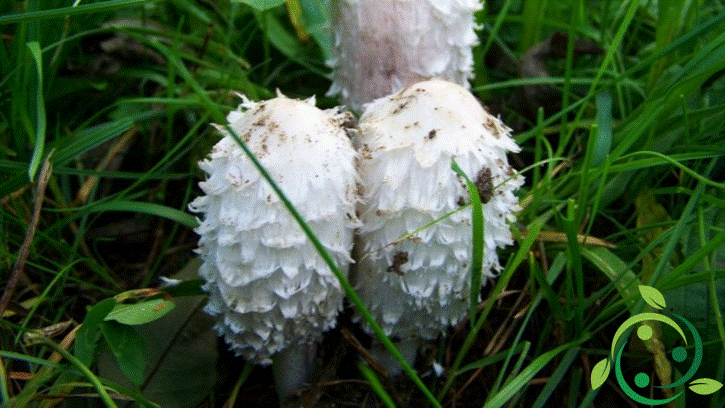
[490, 125]
[484, 184]
[398, 260]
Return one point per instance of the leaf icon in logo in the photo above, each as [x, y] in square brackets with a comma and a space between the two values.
[702, 386]
[600, 372]
[652, 296]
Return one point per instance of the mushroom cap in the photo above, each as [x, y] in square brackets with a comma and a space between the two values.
[381, 46]
[418, 286]
[268, 286]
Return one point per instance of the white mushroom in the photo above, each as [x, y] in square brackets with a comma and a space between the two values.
[272, 293]
[381, 46]
[417, 287]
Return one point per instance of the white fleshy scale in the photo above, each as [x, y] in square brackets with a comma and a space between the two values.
[381, 46]
[418, 287]
[268, 287]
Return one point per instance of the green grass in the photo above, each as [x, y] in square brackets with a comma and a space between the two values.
[105, 108]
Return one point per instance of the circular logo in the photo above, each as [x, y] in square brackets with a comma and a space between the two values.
[644, 331]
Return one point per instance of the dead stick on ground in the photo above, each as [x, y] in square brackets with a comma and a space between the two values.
[29, 234]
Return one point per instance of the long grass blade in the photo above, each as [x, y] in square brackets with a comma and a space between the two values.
[38, 111]
[476, 241]
[98, 7]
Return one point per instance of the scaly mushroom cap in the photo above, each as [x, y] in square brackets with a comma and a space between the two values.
[381, 46]
[419, 286]
[268, 286]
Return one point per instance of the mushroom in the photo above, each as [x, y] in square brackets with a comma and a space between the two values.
[271, 292]
[381, 46]
[414, 275]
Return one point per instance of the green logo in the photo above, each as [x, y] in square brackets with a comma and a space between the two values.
[654, 298]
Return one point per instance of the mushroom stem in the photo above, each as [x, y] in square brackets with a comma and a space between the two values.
[408, 348]
[293, 367]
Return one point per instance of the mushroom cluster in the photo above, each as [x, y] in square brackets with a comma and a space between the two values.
[273, 294]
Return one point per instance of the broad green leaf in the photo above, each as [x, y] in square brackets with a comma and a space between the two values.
[128, 347]
[280, 37]
[261, 5]
[652, 296]
[140, 313]
[705, 386]
[181, 345]
[600, 372]
[316, 18]
[190, 287]
[88, 335]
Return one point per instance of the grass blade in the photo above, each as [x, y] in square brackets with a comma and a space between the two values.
[99, 7]
[476, 241]
[376, 385]
[519, 382]
[158, 210]
[39, 110]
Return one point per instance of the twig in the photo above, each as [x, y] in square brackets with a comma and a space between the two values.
[19, 265]
[364, 353]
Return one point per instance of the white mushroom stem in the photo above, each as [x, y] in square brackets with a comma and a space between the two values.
[381, 46]
[408, 349]
[293, 367]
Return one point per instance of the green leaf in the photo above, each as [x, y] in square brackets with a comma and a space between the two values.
[652, 296]
[76, 9]
[39, 110]
[128, 347]
[261, 5]
[191, 287]
[518, 383]
[603, 141]
[148, 208]
[316, 18]
[600, 372]
[88, 335]
[705, 386]
[172, 377]
[477, 242]
[376, 385]
[616, 270]
[141, 312]
[86, 139]
[280, 37]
